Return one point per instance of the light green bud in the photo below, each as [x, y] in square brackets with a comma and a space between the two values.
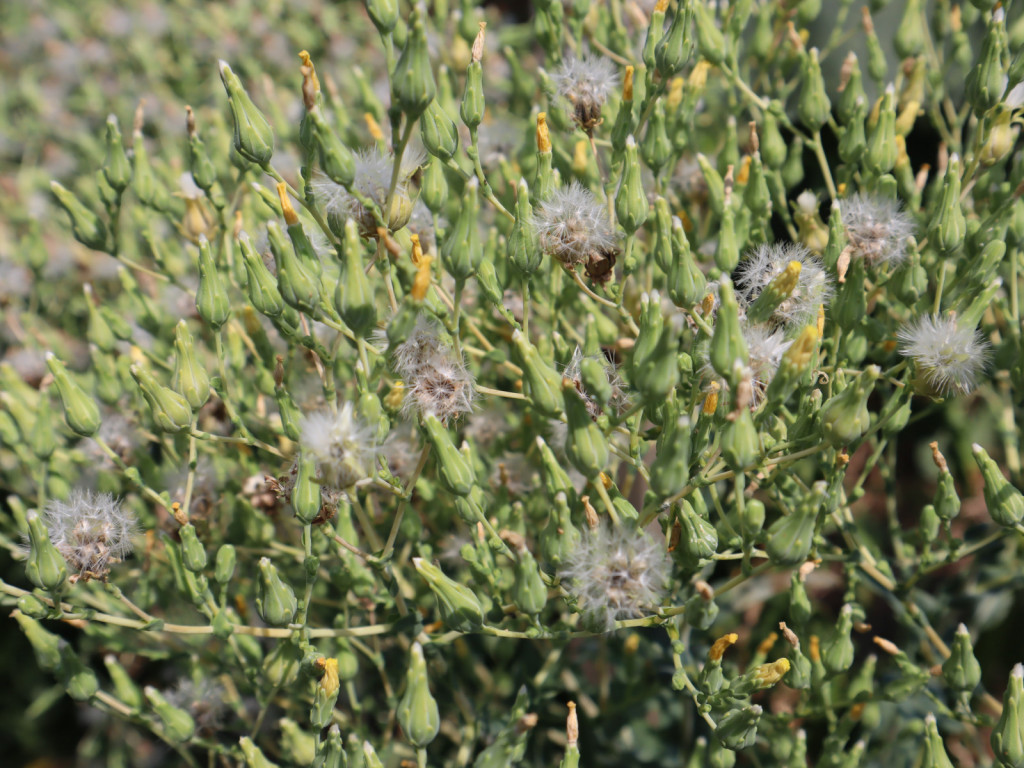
[472, 108]
[631, 200]
[79, 680]
[190, 378]
[560, 537]
[453, 470]
[438, 131]
[43, 436]
[655, 31]
[670, 471]
[773, 146]
[193, 554]
[459, 606]
[845, 416]
[461, 251]
[710, 41]
[434, 186]
[297, 745]
[686, 281]
[212, 301]
[383, 14]
[412, 81]
[698, 539]
[961, 670]
[947, 502]
[1008, 734]
[332, 750]
[790, 537]
[878, 67]
[46, 645]
[336, 159]
[204, 174]
[224, 565]
[1005, 503]
[529, 593]
[673, 49]
[297, 280]
[254, 757]
[522, 247]
[261, 286]
[80, 411]
[99, 332]
[171, 411]
[585, 445]
[756, 195]
[934, 750]
[306, 494]
[910, 34]
[853, 141]
[799, 603]
[117, 169]
[880, 156]
[86, 226]
[813, 105]
[417, 711]
[837, 653]
[148, 188]
[275, 600]
[852, 95]
[661, 247]
[177, 724]
[987, 79]
[253, 136]
[543, 385]
[556, 479]
[353, 296]
[741, 446]
[738, 729]
[370, 756]
[715, 185]
[971, 316]
[950, 225]
[657, 373]
[124, 687]
[45, 566]
[727, 343]
[656, 148]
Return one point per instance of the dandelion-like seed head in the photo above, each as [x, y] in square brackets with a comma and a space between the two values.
[343, 447]
[948, 357]
[436, 378]
[766, 262]
[619, 397]
[765, 348]
[205, 701]
[586, 82]
[616, 573]
[91, 530]
[877, 228]
[372, 180]
[573, 226]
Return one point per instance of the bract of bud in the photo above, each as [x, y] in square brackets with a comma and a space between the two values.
[813, 105]
[204, 173]
[631, 200]
[880, 156]
[837, 655]
[522, 247]
[45, 645]
[459, 607]
[878, 66]
[177, 725]
[727, 343]
[585, 444]
[297, 280]
[670, 470]
[756, 195]
[472, 108]
[698, 539]
[529, 593]
[253, 136]
[543, 384]
[45, 566]
[710, 42]
[1005, 502]
[656, 148]
[741, 445]
[413, 79]
[190, 378]
[738, 728]
[79, 681]
[935, 755]
[117, 169]
[353, 296]
[147, 187]
[961, 669]
[224, 564]
[790, 539]
[42, 437]
[987, 79]
[773, 146]
[275, 600]
[260, 284]
[454, 471]
[845, 416]
[417, 711]
[462, 251]
[673, 49]
[212, 301]
[86, 226]
[438, 131]
[80, 411]
[193, 554]
[851, 90]
[306, 497]
[1008, 734]
[171, 411]
[949, 226]
[434, 186]
[910, 34]
[946, 501]
[383, 14]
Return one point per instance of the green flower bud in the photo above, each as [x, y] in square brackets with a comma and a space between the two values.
[673, 49]
[190, 378]
[878, 67]
[204, 174]
[881, 147]
[336, 159]
[853, 141]
[631, 200]
[657, 373]
[701, 611]
[698, 539]
[543, 385]
[417, 711]
[670, 471]
[459, 607]
[261, 286]
[845, 416]
[383, 14]
[177, 724]
[117, 169]
[253, 136]
[332, 750]
[756, 196]
[370, 756]
[224, 565]
[413, 79]
[212, 301]
[741, 446]
[275, 600]
[661, 247]
[738, 729]
[297, 279]
[851, 94]
[656, 148]
[353, 296]
[961, 670]
[799, 603]
[790, 537]
[522, 247]
[529, 593]
[33, 607]
[910, 34]
[454, 471]
[837, 655]
[947, 502]
[950, 225]
[42, 437]
[124, 687]
[306, 494]
[585, 445]
[296, 744]
[556, 480]
[727, 251]
[147, 187]
[254, 757]
[727, 343]
[438, 131]
[773, 146]
[79, 681]
[813, 105]
[1005, 503]
[987, 79]
[714, 183]
[1008, 734]
[472, 108]
[80, 411]
[86, 226]
[434, 186]
[710, 42]
[686, 281]
[45, 566]
[971, 316]
[461, 251]
[46, 645]
[171, 411]
[193, 554]
[560, 538]
[934, 750]
[99, 332]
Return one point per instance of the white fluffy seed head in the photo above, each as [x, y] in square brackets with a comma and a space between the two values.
[436, 378]
[91, 530]
[766, 262]
[765, 348]
[617, 573]
[877, 228]
[343, 447]
[586, 82]
[572, 225]
[947, 356]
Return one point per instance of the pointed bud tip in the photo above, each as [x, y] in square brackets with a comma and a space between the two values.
[1018, 670]
[976, 449]
[962, 629]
